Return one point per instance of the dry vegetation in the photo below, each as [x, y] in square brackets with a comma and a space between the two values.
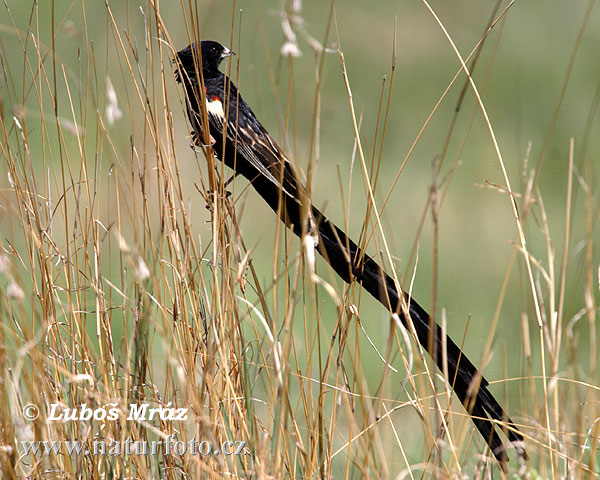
[127, 277]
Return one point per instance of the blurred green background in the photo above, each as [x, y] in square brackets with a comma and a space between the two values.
[524, 65]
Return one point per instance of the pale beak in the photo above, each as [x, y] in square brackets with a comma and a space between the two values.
[227, 53]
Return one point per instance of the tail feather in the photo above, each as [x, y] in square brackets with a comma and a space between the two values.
[350, 262]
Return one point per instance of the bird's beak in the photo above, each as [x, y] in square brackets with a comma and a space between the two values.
[227, 53]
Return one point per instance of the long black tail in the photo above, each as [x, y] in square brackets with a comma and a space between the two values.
[351, 263]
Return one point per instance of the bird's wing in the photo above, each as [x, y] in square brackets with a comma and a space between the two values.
[254, 144]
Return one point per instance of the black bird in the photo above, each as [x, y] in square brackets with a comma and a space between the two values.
[239, 139]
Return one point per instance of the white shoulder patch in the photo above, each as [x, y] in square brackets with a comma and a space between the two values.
[215, 107]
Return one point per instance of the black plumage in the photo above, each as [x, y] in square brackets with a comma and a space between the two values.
[239, 139]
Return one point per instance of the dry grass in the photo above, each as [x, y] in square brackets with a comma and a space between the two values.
[115, 290]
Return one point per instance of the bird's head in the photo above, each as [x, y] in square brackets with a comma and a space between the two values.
[212, 54]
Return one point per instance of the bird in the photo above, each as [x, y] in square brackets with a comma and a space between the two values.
[239, 140]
